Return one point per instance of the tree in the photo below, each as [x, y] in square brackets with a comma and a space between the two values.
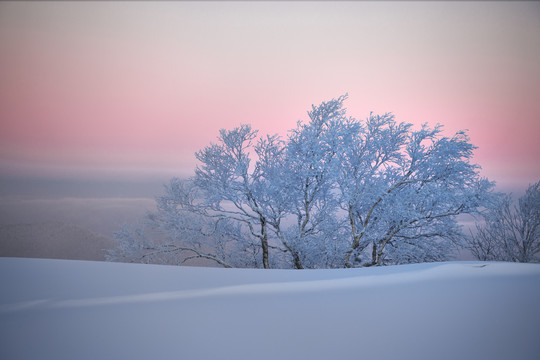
[232, 190]
[176, 234]
[415, 193]
[510, 232]
[337, 191]
[368, 154]
[310, 164]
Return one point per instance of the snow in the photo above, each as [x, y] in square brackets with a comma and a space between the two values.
[61, 309]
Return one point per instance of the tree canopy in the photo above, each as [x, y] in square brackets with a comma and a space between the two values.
[337, 192]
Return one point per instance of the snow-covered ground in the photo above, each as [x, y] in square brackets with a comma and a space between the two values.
[58, 309]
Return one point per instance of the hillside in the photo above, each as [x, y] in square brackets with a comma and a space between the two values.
[57, 309]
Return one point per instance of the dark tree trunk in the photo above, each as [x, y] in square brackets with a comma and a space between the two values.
[264, 243]
[297, 262]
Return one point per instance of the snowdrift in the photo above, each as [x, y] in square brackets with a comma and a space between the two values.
[58, 309]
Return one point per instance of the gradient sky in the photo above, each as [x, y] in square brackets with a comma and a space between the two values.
[120, 89]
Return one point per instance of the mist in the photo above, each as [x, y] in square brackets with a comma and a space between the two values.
[73, 218]
[69, 218]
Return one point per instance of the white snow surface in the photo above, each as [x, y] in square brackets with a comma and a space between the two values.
[62, 309]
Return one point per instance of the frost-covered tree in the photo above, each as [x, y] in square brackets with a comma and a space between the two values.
[510, 232]
[337, 192]
[409, 192]
[369, 154]
[176, 234]
[310, 165]
[398, 190]
[234, 189]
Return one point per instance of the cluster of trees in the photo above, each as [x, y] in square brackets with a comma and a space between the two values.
[510, 232]
[337, 192]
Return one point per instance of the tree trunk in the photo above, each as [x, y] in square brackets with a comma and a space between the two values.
[297, 262]
[264, 244]
[294, 254]
[374, 254]
[356, 239]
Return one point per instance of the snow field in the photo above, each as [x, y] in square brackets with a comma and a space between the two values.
[55, 309]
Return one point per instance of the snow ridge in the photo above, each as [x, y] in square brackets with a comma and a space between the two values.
[439, 272]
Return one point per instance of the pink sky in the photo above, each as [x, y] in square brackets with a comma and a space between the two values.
[102, 89]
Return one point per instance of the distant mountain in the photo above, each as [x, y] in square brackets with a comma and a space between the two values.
[53, 240]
